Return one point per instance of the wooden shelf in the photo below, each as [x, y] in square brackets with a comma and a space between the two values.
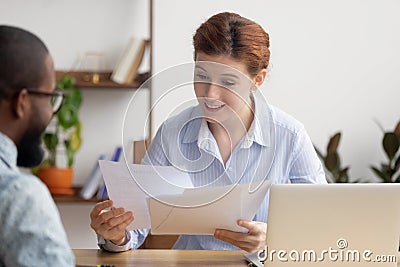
[84, 80]
[75, 198]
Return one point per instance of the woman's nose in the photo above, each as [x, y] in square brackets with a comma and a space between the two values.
[213, 91]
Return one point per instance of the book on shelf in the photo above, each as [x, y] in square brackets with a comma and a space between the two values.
[91, 185]
[102, 189]
[127, 67]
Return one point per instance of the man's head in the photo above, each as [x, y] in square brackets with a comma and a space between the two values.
[26, 68]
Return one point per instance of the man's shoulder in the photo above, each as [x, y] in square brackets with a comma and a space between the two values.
[26, 200]
[31, 228]
[25, 188]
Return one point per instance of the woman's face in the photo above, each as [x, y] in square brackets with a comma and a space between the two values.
[222, 86]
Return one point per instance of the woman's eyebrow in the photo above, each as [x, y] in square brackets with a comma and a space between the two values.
[199, 67]
[230, 75]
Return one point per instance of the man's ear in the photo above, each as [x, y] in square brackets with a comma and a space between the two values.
[260, 78]
[21, 104]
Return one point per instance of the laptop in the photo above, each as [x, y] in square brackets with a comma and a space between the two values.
[332, 225]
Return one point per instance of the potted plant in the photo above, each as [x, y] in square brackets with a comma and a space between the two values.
[65, 131]
[389, 172]
[336, 173]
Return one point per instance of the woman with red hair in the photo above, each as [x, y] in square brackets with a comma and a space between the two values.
[233, 136]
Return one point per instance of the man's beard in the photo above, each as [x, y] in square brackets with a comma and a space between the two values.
[30, 151]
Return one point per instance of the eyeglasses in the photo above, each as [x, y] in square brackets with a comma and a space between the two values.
[56, 100]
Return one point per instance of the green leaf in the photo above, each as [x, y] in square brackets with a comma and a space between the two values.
[390, 144]
[380, 174]
[75, 141]
[50, 141]
[78, 126]
[397, 129]
[343, 176]
[67, 82]
[388, 171]
[74, 97]
[67, 116]
[397, 163]
[385, 168]
[334, 143]
[332, 162]
[69, 152]
[319, 153]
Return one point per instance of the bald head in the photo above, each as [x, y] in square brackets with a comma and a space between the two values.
[22, 61]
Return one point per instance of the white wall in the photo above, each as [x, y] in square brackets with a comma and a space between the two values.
[334, 64]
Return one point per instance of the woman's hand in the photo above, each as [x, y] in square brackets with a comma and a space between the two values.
[252, 241]
[110, 222]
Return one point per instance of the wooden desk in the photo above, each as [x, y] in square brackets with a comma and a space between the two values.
[149, 257]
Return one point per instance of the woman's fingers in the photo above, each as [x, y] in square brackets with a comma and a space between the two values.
[100, 207]
[252, 241]
[118, 232]
[110, 222]
[114, 221]
[108, 214]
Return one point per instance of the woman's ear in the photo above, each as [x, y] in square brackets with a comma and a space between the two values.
[21, 104]
[260, 78]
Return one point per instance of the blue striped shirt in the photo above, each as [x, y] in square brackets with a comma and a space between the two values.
[276, 148]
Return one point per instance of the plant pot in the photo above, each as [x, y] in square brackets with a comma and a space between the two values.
[58, 180]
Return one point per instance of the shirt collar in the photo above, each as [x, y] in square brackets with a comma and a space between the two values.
[8, 151]
[205, 138]
[258, 131]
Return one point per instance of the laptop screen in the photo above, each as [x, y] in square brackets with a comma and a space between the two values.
[332, 224]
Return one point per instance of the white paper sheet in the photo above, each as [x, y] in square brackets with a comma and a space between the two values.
[222, 207]
[129, 188]
[163, 198]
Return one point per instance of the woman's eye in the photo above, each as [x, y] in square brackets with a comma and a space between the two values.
[202, 77]
[228, 83]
